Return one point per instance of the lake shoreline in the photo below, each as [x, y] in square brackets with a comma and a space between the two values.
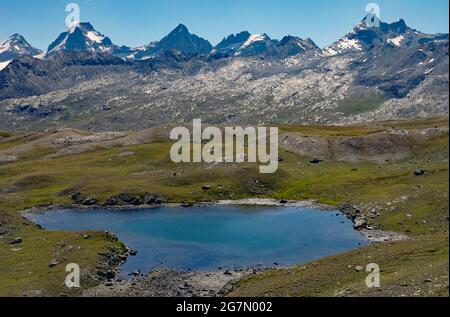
[371, 234]
[168, 282]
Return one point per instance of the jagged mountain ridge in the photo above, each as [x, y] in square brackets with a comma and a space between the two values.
[364, 38]
[84, 38]
[81, 38]
[288, 81]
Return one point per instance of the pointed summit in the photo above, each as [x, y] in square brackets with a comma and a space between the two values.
[181, 28]
[16, 46]
[81, 38]
[182, 40]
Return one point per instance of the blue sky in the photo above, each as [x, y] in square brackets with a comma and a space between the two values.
[138, 22]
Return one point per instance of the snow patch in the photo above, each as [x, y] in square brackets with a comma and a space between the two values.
[342, 46]
[5, 46]
[95, 37]
[397, 41]
[4, 64]
[254, 38]
[40, 56]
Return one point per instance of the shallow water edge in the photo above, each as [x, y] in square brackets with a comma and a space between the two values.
[372, 235]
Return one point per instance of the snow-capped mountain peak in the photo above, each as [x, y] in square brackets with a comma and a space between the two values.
[365, 37]
[81, 38]
[255, 38]
[256, 44]
[15, 47]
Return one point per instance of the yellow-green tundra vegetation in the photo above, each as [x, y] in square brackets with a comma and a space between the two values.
[46, 168]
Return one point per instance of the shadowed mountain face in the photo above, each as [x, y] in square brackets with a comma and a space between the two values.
[291, 46]
[232, 43]
[386, 73]
[180, 39]
[246, 44]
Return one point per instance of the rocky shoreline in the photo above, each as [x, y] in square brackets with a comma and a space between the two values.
[166, 282]
[353, 212]
[170, 283]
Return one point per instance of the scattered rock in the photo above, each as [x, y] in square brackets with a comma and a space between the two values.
[126, 154]
[359, 269]
[206, 187]
[315, 161]
[283, 201]
[90, 201]
[360, 223]
[133, 252]
[76, 197]
[107, 275]
[420, 172]
[152, 199]
[53, 263]
[17, 240]
[130, 199]
[134, 200]
[79, 199]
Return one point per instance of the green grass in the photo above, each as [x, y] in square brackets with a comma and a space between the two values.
[417, 267]
[329, 131]
[25, 267]
[4, 134]
[352, 106]
[35, 180]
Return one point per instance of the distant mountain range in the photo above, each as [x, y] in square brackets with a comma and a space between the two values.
[87, 81]
[84, 38]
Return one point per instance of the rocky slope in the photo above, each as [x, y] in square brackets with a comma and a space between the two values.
[386, 73]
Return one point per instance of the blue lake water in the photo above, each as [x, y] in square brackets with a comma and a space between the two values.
[206, 238]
